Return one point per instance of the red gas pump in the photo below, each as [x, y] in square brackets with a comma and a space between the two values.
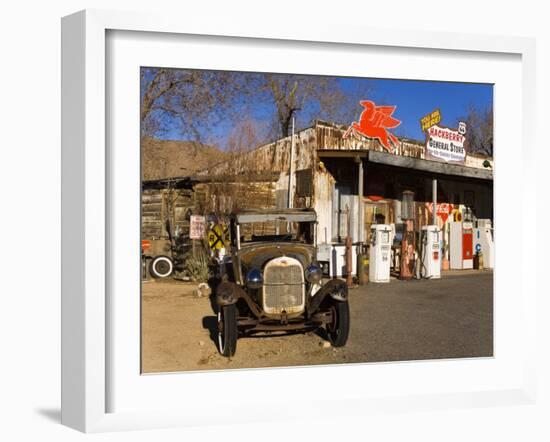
[467, 245]
[461, 245]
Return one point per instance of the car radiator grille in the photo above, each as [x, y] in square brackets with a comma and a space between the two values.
[283, 286]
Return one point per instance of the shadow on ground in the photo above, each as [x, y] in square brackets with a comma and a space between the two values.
[51, 414]
[210, 323]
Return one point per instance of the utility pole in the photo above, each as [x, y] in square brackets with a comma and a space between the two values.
[291, 161]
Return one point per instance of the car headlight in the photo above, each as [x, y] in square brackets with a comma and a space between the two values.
[254, 279]
[314, 274]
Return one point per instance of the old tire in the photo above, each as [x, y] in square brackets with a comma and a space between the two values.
[161, 267]
[227, 330]
[338, 330]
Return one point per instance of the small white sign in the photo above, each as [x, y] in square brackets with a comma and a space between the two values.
[197, 227]
[445, 144]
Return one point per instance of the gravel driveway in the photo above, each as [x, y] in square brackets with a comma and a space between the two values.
[403, 320]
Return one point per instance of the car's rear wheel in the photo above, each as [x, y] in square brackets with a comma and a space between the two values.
[338, 329]
[227, 330]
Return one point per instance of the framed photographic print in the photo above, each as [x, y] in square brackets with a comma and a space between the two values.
[244, 217]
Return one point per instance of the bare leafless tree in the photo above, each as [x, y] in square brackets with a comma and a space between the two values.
[479, 130]
[324, 96]
[196, 99]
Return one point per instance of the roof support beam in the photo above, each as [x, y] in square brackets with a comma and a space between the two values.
[429, 166]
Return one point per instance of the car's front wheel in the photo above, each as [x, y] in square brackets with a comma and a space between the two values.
[338, 329]
[227, 330]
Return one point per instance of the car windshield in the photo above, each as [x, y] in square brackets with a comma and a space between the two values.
[278, 230]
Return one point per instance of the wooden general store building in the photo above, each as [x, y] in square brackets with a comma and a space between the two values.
[351, 182]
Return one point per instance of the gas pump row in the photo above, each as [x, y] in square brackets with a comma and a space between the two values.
[423, 260]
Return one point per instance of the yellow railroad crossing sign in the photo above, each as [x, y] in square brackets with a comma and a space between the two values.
[218, 236]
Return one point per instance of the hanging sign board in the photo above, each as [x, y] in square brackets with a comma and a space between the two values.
[430, 120]
[197, 227]
[443, 210]
[444, 144]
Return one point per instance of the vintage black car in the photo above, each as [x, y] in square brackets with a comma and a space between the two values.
[272, 283]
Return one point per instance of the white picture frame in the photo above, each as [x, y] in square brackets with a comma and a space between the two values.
[86, 353]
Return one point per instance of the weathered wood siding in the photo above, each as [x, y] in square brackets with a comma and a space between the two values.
[323, 185]
[159, 206]
[222, 198]
[330, 137]
[272, 157]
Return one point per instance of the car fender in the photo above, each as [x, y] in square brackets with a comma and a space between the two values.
[227, 293]
[335, 288]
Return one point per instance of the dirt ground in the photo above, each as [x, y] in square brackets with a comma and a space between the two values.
[403, 320]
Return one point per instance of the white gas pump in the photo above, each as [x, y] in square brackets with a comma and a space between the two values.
[332, 258]
[430, 265]
[483, 242]
[379, 253]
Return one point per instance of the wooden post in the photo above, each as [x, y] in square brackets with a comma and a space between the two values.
[349, 277]
[361, 276]
[434, 199]
[361, 216]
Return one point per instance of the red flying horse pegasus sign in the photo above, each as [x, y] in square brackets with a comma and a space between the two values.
[374, 122]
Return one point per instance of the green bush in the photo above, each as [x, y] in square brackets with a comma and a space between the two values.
[197, 267]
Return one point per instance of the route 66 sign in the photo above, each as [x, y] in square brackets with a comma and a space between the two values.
[461, 127]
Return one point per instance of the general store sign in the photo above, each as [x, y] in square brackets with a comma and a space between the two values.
[197, 227]
[446, 144]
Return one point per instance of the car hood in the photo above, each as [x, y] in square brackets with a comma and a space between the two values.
[256, 255]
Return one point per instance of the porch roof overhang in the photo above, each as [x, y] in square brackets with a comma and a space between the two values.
[419, 164]
[267, 215]
[169, 183]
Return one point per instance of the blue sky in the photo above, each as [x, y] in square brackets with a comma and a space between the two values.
[413, 99]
